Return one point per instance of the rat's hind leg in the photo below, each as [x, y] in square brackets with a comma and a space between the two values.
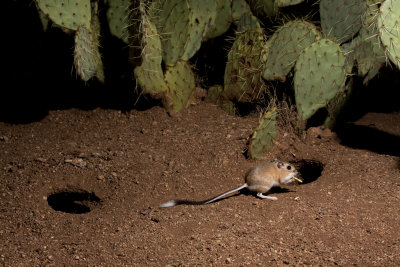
[260, 195]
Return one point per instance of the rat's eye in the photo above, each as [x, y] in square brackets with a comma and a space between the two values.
[289, 167]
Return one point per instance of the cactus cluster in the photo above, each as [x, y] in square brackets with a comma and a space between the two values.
[176, 85]
[355, 37]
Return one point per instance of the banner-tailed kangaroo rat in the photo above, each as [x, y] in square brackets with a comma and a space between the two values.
[260, 178]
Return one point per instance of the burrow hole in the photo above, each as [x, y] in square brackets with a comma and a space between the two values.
[310, 170]
[74, 202]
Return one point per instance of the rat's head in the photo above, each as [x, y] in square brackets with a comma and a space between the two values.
[287, 172]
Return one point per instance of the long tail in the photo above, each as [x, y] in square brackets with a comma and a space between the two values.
[208, 201]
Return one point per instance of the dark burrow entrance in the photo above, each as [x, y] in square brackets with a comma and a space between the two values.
[74, 202]
[310, 170]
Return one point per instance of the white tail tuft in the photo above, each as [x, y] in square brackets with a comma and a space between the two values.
[168, 204]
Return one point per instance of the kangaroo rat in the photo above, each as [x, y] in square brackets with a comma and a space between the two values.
[260, 178]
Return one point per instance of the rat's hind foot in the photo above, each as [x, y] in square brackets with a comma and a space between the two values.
[260, 195]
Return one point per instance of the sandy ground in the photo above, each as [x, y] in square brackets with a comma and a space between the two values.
[83, 187]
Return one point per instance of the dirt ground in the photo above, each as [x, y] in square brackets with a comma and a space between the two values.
[83, 188]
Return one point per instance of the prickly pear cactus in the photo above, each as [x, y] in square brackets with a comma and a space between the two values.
[149, 75]
[319, 76]
[369, 54]
[44, 19]
[242, 80]
[336, 105]
[173, 26]
[365, 50]
[243, 18]
[285, 45]
[219, 19]
[181, 85]
[87, 57]
[184, 23]
[176, 86]
[263, 7]
[216, 94]
[117, 16]
[263, 138]
[389, 29]
[342, 19]
[68, 13]
[200, 15]
[283, 3]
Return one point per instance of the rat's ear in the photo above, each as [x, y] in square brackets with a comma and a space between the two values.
[279, 164]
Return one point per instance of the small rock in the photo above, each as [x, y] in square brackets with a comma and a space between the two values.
[43, 160]
[76, 162]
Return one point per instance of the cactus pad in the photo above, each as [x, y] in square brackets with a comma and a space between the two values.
[181, 85]
[216, 94]
[263, 7]
[319, 76]
[219, 19]
[365, 50]
[117, 17]
[342, 19]
[67, 13]
[369, 54]
[243, 18]
[285, 46]
[87, 57]
[283, 3]
[263, 138]
[183, 23]
[337, 104]
[149, 74]
[389, 29]
[242, 80]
